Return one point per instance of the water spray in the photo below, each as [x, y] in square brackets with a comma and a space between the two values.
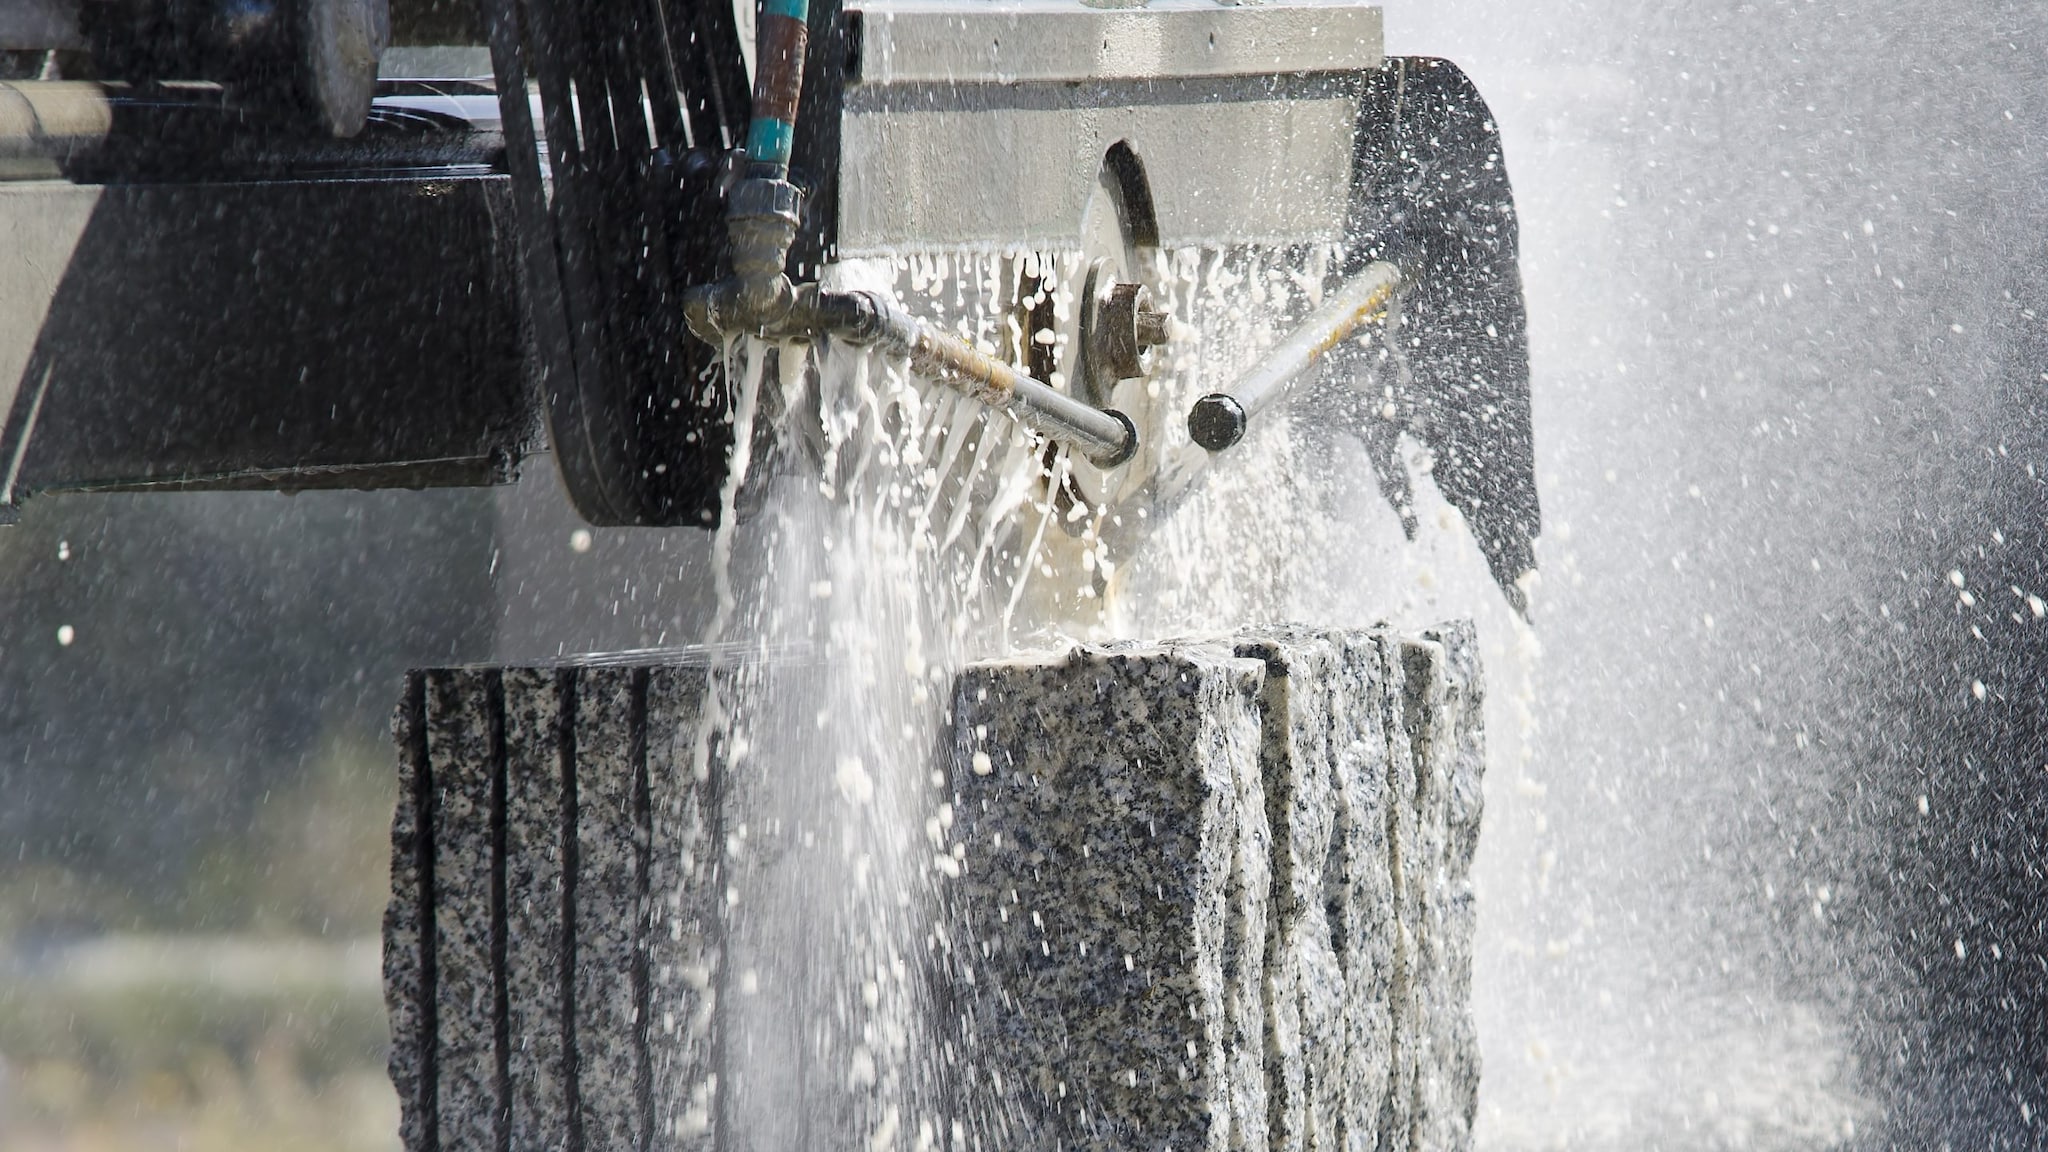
[763, 213]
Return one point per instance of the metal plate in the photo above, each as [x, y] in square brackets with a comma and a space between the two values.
[290, 334]
[1230, 160]
[923, 41]
[1242, 118]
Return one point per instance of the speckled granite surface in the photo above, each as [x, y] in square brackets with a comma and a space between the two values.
[1358, 884]
[1409, 871]
[521, 944]
[1215, 895]
[1304, 988]
[610, 900]
[464, 735]
[1357, 808]
[1102, 799]
[686, 892]
[407, 962]
[1449, 1102]
[538, 702]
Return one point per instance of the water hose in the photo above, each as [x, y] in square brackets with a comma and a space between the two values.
[1221, 419]
[763, 213]
[780, 41]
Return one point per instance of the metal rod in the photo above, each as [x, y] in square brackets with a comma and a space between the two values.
[49, 120]
[1105, 436]
[1220, 419]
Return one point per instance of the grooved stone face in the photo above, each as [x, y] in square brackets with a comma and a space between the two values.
[610, 895]
[1215, 897]
[1409, 872]
[535, 954]
[1304, 985]
[463, 736]
[1358, 884]
[1456, 703]
[408, 950]
[685, 888]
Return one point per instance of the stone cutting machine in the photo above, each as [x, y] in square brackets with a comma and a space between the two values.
[294, 244]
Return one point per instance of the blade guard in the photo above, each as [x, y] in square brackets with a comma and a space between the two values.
[1432, 195]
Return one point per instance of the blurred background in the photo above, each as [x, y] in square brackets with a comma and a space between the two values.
[1766, 872]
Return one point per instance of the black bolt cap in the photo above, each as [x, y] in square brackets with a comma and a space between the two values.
[1217, 421]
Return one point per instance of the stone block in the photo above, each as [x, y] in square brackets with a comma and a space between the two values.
[408, 922]
[1304, 984]
[465, 744]
[609, 982]
[539, 703]
[1214, 897]
[525, 963]
[1447, 722]
[1409, 871]
[1358, 880]
[687, 892]
[1110, 802]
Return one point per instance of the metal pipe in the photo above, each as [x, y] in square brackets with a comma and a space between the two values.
[762, 214]
[780, 42]
[764, 210]
[43, 122]
[1220, 419]
[1105, 436]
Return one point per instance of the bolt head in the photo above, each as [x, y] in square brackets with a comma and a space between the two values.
[1217, 421]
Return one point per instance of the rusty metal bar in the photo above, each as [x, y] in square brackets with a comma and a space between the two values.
[1105, 436]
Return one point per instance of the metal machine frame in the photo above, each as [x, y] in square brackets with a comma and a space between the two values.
[250, 297]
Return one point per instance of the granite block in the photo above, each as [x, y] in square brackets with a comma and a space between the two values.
[1303, 1003]
[1215, 896]
[1457, 731]
[609, 885]
[1359, 884]
[1423, 708]
[538, 703]
[1465, 716]
[1320, 992]
[465, 744]
[688, 896]
[1248, 891]
[408, 922]
[1408, 871]
[1106, 801]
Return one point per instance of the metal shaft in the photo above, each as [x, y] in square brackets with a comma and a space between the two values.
[48, 121]
[1220, 419]
[1105, 436]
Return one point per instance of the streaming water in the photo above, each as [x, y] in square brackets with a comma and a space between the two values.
[905, 531]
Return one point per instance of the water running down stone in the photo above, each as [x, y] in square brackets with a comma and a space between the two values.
[1200, 895]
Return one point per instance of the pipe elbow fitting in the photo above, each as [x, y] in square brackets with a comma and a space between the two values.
[705, 310]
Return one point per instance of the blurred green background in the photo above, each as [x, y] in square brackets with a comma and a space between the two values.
[198, 783]
[197, 773]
